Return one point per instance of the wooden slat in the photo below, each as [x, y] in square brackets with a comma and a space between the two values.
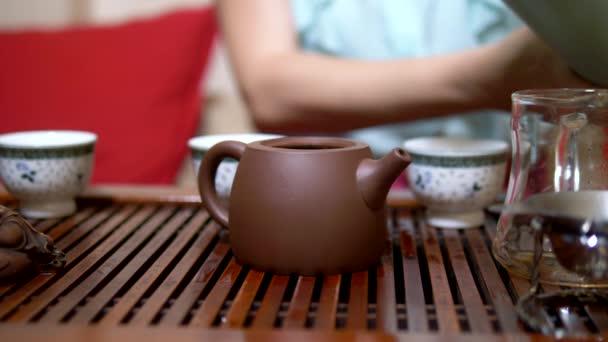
[178, 311]
[97, 302]
[386, 303]
[520, 285]
[328, 304]
[82, 221]
[98, 228]
[4, 288]
[84, 287]
[477, 314]
[77, 232]
[356, 318]
[403, 199]
[156, 194]
[179, 334]
[205, 315]
[44, 225]
[598, 315]
[271, 303]
[50, 224]
[499, 296]
[26, 290]
[235, 318]
[417, 319]
[300, 303]
[154, 304]
[407, 242]
[444, 304]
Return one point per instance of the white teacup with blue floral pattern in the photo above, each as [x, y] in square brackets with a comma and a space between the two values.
[227, 169]
[46, 170]
[455, 178]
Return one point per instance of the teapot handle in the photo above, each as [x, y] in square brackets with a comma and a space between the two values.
[206, 177]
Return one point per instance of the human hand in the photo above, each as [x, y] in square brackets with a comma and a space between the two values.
[523, 61]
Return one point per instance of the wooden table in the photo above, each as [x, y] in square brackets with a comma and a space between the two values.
[148, 263]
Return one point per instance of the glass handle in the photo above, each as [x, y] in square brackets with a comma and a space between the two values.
[567, 173]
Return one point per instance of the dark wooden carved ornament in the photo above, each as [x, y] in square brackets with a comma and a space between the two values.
[22, 247]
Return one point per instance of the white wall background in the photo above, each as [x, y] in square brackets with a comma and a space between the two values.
[17, 14]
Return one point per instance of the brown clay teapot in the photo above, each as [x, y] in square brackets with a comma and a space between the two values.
[304, 205]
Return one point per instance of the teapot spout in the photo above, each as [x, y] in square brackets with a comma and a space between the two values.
[375, 177]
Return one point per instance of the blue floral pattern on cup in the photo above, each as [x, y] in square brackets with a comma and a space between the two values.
[38, 179]
[455, 178]
[460, 188]
[26, 173]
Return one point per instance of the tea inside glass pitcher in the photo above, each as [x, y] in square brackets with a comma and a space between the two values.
[559, 143]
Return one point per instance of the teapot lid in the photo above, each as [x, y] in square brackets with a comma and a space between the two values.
[308, 144]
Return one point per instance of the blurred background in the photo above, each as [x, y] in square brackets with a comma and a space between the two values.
[221, 109]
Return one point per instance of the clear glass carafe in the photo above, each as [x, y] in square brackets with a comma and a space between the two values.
[559, 143]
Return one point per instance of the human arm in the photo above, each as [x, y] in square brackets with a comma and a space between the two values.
[288, 89]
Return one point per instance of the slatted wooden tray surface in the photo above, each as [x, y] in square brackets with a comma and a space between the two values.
[170, 265]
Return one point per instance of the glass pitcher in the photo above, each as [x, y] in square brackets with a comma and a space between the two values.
[559, 143]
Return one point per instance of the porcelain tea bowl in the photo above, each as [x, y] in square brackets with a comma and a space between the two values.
[455, 178]
[199, 146]
[46, 170]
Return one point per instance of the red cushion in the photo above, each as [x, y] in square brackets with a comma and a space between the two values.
[136, 85]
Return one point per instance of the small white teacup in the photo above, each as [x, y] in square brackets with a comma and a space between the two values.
[227, 169]
[455, 178]
[46, 170]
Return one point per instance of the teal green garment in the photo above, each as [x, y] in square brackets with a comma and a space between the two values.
[385, 29]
